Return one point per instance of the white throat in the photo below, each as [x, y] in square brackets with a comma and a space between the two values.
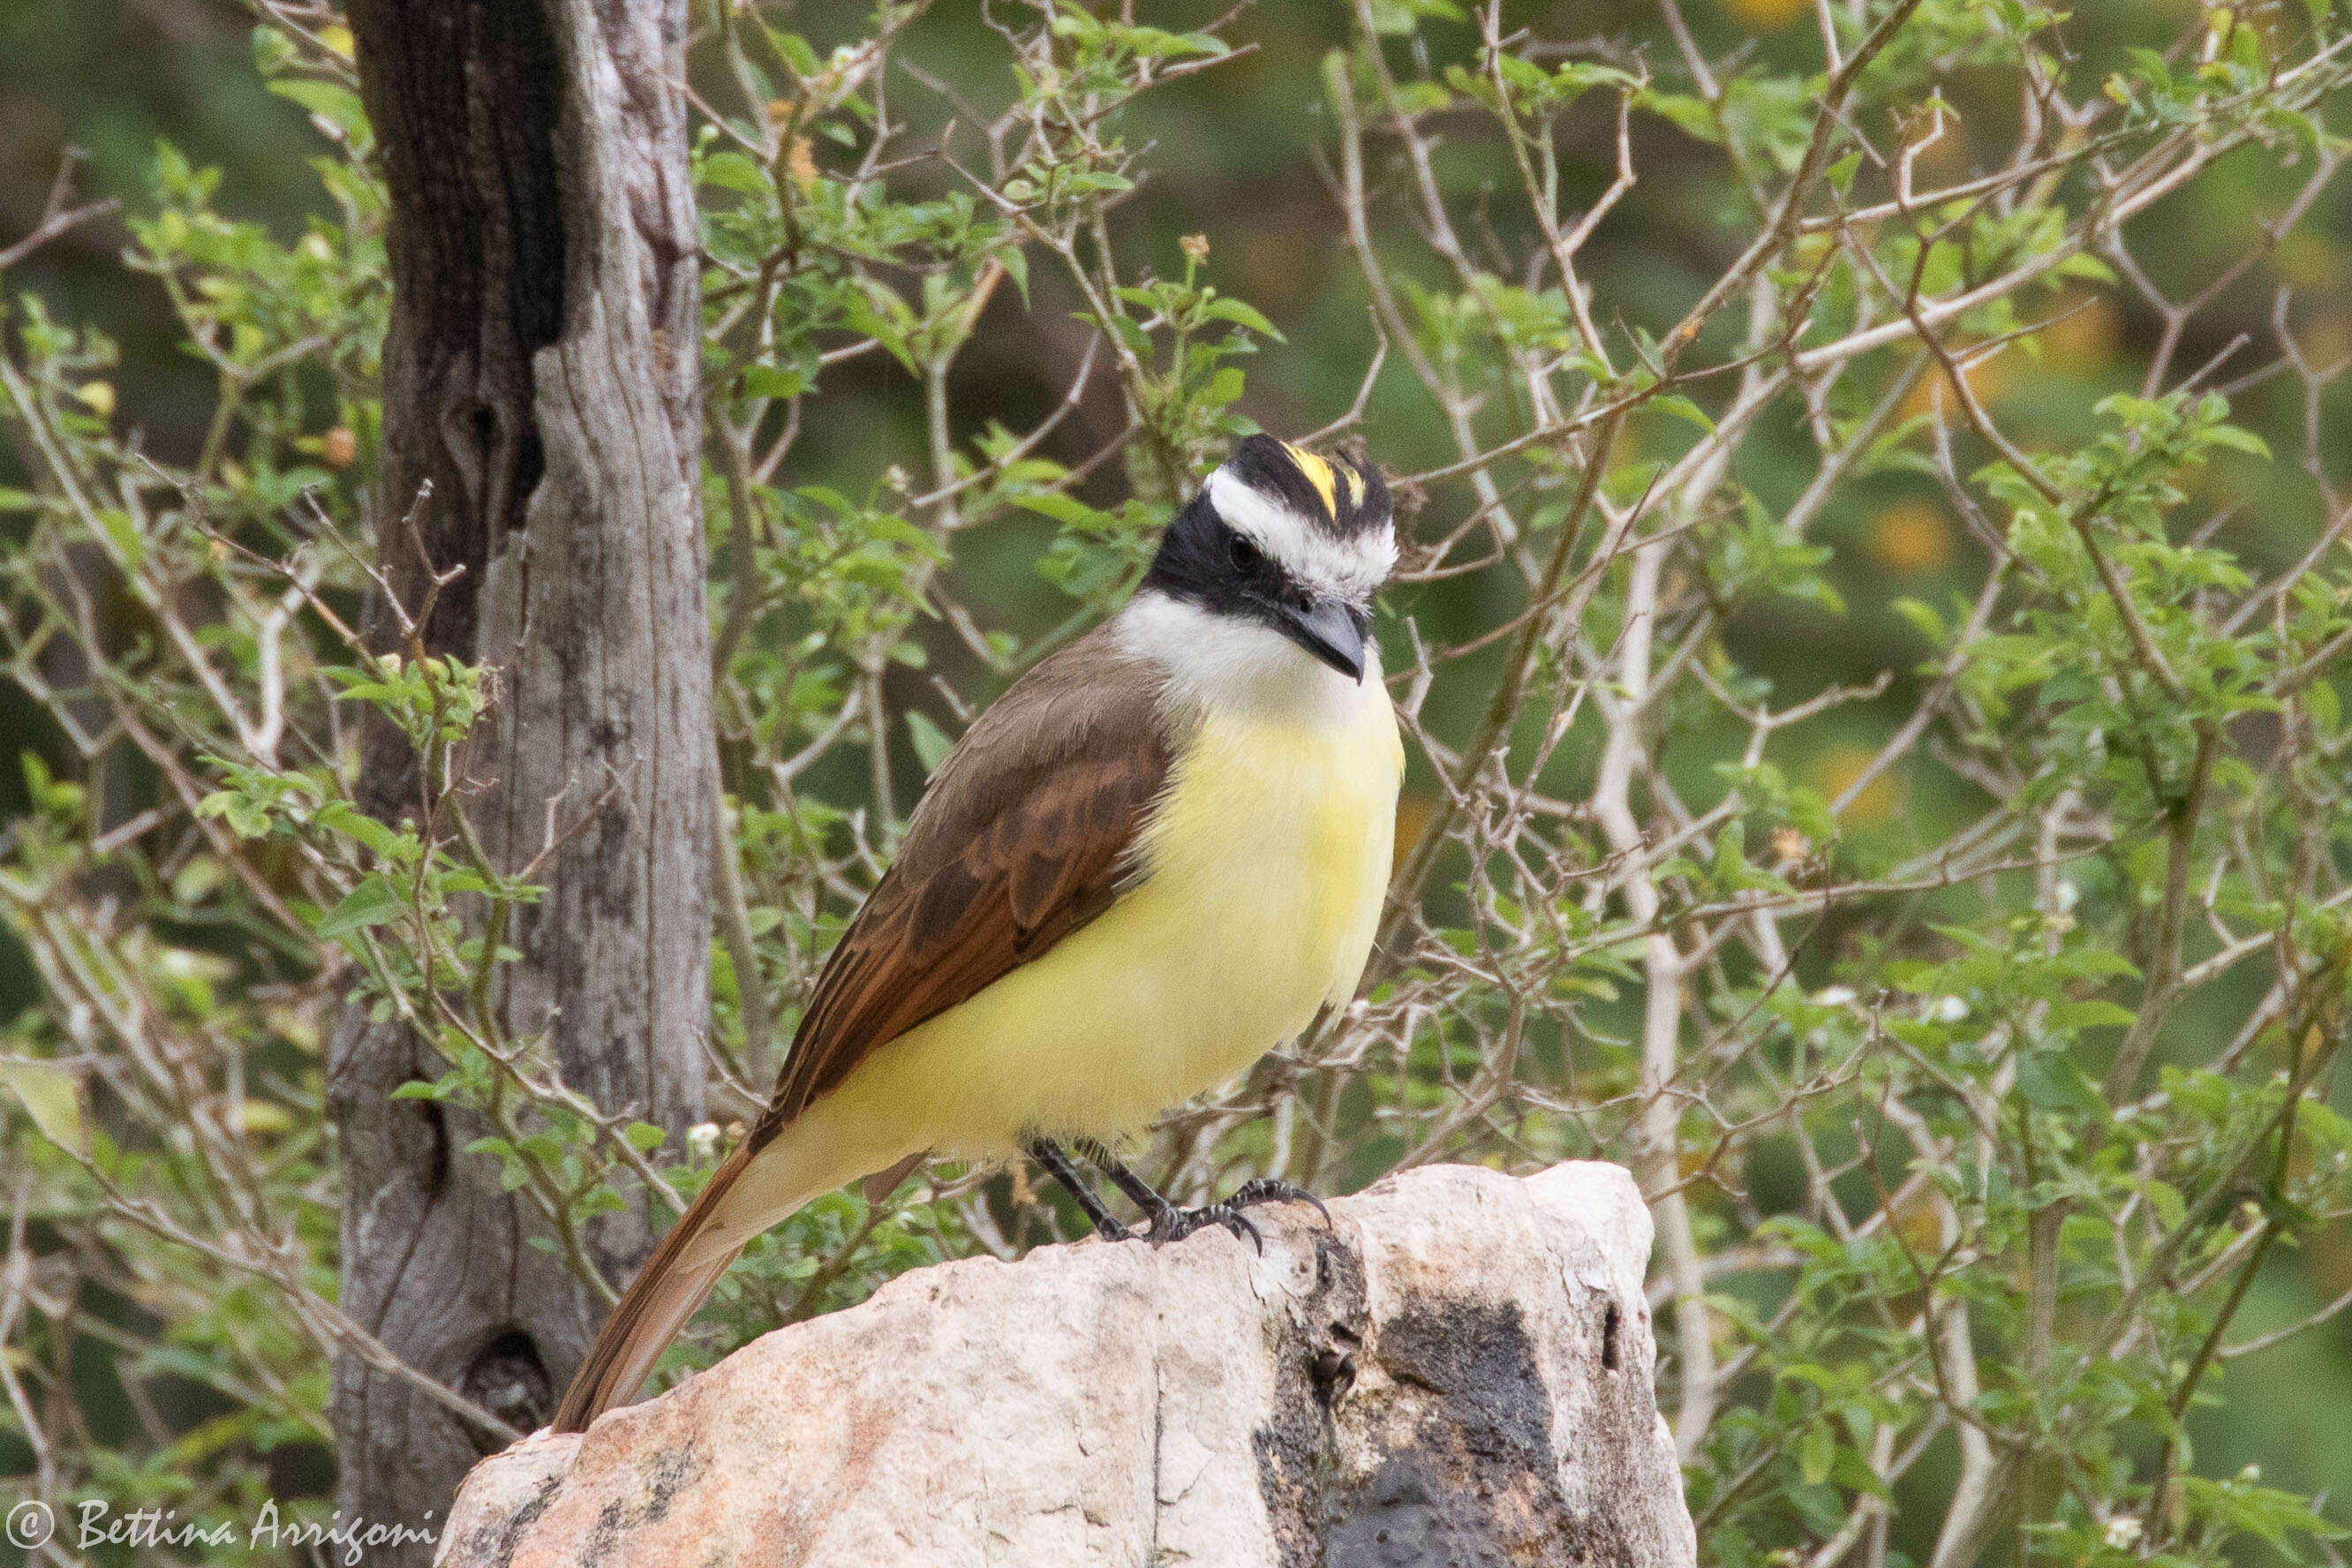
[1235, 664]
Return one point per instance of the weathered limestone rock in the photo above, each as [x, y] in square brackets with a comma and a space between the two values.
[1456, 1372]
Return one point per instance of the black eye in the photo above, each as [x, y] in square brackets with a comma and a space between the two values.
[1246, 557]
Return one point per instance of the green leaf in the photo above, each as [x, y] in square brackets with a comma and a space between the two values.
[931, 743]
[2094, 1014]
[1690, 113]
[1394, 18]
[738, 173]
[1841, 173]
[121, 528]
[1682, 408]
[778, 382]
[2239, 440]
[337, 105]
[372, 902]
[2326, 711]
[1071, 512]
[246, 818]
[1160, 43]
[644, 1136]
[795, 50]
[1923, 618]
[342, 818]
[52, 1097]
[1817, 1453]
[1228, 310]
[2052, 1080]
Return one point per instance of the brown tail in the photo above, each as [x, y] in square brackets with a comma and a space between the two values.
[654, 1308]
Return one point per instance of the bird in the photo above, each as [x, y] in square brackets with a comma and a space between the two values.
[1161, 853]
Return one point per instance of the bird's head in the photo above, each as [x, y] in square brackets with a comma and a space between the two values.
[1286, 539]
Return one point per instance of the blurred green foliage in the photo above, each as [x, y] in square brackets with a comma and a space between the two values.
[952, 402]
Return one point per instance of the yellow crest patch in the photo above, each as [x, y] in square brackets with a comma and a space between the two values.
[1318, 474]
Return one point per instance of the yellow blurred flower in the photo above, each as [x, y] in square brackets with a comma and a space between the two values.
[1840, 762]
[2327, 1254]
[2305, 259]
[1764, 13]
[1948, 154]
[1412, 815]
[2087, 333]
[1919, 1219]
[1911, 536]
[2327, 343]
[1986, 379]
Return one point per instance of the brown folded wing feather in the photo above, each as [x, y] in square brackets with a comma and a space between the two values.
[1026, 833]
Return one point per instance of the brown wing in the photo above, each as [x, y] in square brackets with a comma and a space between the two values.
[1025, 835]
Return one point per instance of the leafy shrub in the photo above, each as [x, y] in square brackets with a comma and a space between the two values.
[1878, 747]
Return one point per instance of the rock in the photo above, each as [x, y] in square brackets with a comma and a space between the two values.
[1458, 1371]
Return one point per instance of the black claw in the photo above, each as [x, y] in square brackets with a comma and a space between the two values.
[1171, 1223]
[1267, 1190]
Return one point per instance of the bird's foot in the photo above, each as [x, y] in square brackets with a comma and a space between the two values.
[1170, 1222]
[1266, 1190]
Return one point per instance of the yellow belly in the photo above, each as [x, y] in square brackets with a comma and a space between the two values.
[1268, 863]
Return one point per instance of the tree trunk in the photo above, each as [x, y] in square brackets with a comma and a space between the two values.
[540, 397]
[1457, 1370]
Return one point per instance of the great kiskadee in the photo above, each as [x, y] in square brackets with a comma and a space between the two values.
[1153, 860]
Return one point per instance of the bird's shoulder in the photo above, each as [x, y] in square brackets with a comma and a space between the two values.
[1084, 723]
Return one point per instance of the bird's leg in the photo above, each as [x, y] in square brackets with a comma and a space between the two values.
[1170, 1222]
[1163, 1213]
[1048, 1154]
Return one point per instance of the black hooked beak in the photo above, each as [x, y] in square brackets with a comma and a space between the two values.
[1329, 631]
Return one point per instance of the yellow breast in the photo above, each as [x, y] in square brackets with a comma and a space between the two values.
[1266, 863]
[1273, 844]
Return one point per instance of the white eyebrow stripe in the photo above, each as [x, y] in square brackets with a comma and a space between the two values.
[1351, 568]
